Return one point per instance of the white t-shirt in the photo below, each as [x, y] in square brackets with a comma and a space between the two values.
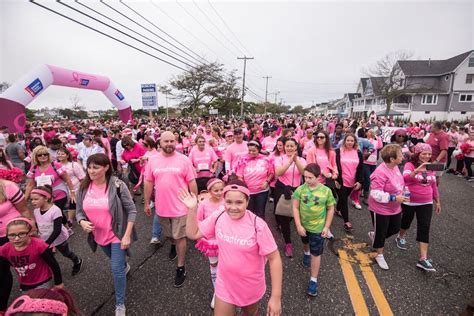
[45, 224]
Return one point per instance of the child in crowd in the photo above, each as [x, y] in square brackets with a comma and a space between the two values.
[31, 257]
[49, 219]
[313, 209]
[245, 245]
[210, 205]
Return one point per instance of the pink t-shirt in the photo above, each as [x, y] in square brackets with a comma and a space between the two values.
[203, 160]
[28, 264]
[470, 154]
[292, 175]
[45, 224]
[453, 138]
[233, 152]
[137, 152]
[389, 181]
[207, 207]
[76, 173]
[308, 144]
[254, 171]
[423, 188]
[96, 207]
[372, 158]
[59, 187]
[320, 157]
[269, 143]
[7, 209]
[243, 246]
[349, 163]
[169, 174]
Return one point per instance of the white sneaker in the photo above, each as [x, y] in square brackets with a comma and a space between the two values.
[213, 302]
[381, 262]
[120, 310]
[356, 205]
[155, 241]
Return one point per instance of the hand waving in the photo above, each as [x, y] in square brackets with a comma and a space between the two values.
[188, 199]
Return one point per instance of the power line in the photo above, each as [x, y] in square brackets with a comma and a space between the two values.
[114, 28]
[107, 35]
[122, 2]
[124, 26]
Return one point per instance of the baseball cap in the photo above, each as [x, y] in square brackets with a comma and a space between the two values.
[229, 134]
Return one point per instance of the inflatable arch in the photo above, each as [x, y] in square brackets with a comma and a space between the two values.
[14, 100]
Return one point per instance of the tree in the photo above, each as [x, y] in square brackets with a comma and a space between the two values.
[199, 86]
[390, 78]
[299, 109]
[4, 86]
[76, 103]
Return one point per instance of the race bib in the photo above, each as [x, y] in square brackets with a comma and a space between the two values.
[203, 166]
[43, 180]
[372, 157]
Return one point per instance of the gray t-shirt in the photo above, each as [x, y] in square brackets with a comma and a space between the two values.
[12, 153]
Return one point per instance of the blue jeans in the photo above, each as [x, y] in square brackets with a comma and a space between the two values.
[257, 203]
[118, 265]
[368, 170]
[156, 229]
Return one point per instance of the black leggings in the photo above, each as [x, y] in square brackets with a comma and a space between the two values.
[450, 154]
[468, 161]
[62, 206]
[66, 251]
[282, 221]
[384, 227]
[342, 203]
[6, 279]
[423, 220]
[202, 184]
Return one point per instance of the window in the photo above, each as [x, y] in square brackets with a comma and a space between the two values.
[469, 78]
[427, 112]
[429, 99]
[463, 112]
[471, 62]
[446, 78]
[465, 98]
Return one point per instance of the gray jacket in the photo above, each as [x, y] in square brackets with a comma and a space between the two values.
[122, 212]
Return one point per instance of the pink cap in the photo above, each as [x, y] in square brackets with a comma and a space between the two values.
[127, 131]
[422, 147]
[229, 134]
[72, 137]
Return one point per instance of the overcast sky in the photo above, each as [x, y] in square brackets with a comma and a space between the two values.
[314, 51]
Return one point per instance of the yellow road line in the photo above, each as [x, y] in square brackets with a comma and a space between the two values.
[374, 286]
[355, 293]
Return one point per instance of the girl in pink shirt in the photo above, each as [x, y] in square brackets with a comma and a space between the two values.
[324, 156]
[386, 195]
[245, 245]
[49, 220]
[215, 203]
[349, 163]
[423, 191]
[257, 172]
[288, 168]
[370, 161]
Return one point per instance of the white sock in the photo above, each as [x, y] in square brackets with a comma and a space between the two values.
[314, 279]
[380, 255]
[213, 274]
[307, 253]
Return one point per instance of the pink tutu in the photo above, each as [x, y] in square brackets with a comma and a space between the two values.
[208, 247]
[14, 174]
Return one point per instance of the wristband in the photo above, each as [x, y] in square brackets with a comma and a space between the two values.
[393, 197]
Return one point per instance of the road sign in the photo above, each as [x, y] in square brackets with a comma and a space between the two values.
[213, 111]
[149, 97]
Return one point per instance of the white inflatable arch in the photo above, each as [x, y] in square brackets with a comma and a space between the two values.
[14, 100]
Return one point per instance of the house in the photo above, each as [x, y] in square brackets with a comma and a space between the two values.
[347, 108]
[430, 89]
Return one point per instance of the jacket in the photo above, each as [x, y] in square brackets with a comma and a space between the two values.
[122, 208]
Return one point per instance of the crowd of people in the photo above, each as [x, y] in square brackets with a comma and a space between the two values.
[210, 180]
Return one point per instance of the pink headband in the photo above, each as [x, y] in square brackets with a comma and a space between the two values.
[214, 181]
[235, 187]
[20, 218]
[42, 192]
[421, 147]
[26, 304]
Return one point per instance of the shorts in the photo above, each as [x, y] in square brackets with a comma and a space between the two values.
[173, 227]
[316, 243]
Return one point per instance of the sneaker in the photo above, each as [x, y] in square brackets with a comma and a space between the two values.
[329, 236]
[357, 205]
[348, 227]
[381, 262]
[289, 250]
[401, 243]
[459, 174]
[77, 267]
[338, 213]
[471, 179]
[312, 288]
[120, 310]
[371, 237]
[180, 277]
[155, 241]
[127, 269]
[306, 261]
[426, 265]
[270, 200]
[172, 255]
[213, 302]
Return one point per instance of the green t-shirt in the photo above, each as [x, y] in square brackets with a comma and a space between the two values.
[313, 206]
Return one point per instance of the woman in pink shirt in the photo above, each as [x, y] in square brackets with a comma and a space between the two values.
[307, 142]
[370, 159]
[204, 160]
[257, 172]
[469, 156]
[288, 168]
[386, 196]
[349, 163]
[277, 151]
[423, 191]
[323, 155]
[245, 245]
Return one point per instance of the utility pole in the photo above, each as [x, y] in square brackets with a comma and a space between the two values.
[266, 92]
[243, 85]
[276, 95]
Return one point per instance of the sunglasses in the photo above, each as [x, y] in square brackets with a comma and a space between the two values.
[19, 235]
[321, 137]
[42, 155]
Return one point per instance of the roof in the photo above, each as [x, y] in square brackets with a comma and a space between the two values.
[432, 67]
[377, 83]
[353, 96]
[364, 83]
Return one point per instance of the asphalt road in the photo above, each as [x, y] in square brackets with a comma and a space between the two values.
[406, 289]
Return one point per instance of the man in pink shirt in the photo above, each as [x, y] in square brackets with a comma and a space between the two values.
[168, 172]
[235, 150]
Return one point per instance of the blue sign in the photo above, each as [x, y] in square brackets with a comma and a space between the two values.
[34, 88]
[84, 82]
[119, 95]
